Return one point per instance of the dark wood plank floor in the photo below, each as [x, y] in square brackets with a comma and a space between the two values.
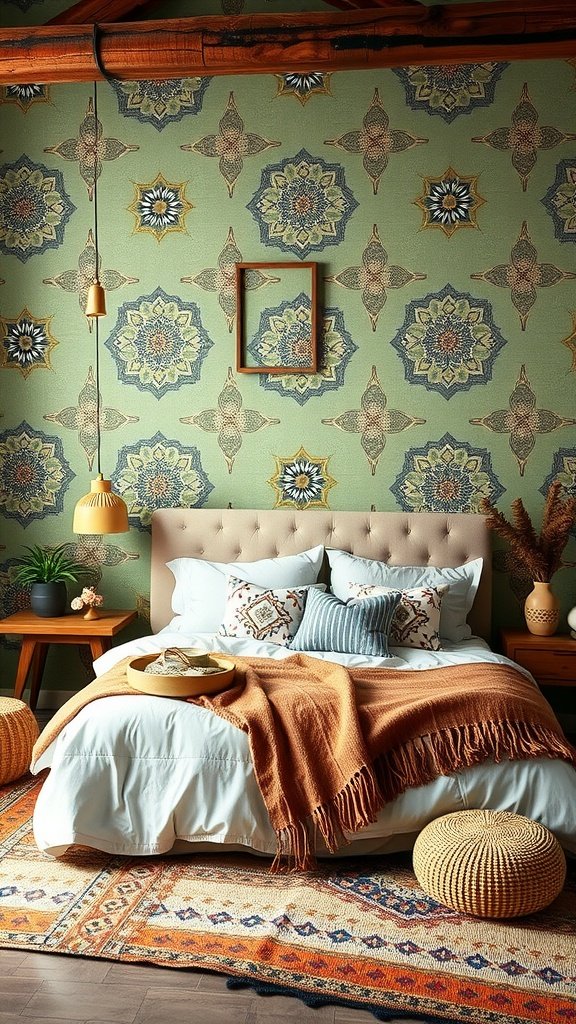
[45, 988]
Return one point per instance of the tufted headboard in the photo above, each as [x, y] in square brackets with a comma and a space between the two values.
[401, 538]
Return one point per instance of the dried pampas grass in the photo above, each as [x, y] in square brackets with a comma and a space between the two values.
[541, 553]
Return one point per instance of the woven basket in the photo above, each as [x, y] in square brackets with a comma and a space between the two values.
[18, 733]
[489, 863]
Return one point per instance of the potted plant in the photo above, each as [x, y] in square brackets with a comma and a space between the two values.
[46, 571]
[540, 553]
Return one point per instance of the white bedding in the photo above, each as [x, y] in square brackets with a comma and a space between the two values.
[143, 775]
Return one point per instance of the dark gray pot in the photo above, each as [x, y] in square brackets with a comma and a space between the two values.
[48, 599]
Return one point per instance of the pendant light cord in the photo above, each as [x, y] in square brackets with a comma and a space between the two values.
[95, 191]
[96, 278]
[97, 374]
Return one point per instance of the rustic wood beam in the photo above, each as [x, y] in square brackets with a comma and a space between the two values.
[266, 43]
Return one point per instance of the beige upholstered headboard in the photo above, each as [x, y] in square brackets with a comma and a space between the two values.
[401, 538]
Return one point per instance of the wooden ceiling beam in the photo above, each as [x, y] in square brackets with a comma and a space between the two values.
[402, 34]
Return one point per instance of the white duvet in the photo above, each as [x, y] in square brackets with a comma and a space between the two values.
[143, 775]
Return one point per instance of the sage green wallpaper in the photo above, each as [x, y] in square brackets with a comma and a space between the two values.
[440, 207]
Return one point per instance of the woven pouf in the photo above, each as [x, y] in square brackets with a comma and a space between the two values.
[489, 863]
[18, 733]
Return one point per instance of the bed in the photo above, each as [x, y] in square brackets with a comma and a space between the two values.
[140, 775]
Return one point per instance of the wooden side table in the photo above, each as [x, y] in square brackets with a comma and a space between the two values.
[37, 633]
[550, 659]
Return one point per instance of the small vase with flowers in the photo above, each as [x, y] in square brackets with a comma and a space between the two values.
[89, 600]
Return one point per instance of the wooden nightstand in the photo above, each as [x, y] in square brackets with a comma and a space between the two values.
[37, 633]
[550, 659]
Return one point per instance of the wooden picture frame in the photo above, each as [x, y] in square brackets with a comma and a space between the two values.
[276, 318]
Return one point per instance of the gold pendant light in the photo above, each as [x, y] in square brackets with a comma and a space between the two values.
[100, 511]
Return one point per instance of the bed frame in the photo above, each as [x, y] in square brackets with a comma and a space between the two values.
[400, 538]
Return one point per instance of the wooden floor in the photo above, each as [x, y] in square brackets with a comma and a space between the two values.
[45, 988]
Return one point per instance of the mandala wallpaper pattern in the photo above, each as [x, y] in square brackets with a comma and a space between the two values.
[447, 367]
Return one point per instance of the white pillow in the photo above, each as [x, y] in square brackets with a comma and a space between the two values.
[268, 615]
[462, 583]
[416, 621]
[200, 590]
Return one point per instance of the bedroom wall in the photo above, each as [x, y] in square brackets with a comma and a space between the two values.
[447, 270]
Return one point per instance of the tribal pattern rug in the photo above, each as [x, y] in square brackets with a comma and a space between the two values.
[358, 933]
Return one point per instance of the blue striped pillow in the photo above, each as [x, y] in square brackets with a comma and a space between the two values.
[357, 627]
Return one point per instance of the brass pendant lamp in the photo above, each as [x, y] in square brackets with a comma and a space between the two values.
[100, 511]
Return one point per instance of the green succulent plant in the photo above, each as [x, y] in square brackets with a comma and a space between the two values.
[49, 565]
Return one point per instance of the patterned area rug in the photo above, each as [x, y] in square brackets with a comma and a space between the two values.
[356, 933]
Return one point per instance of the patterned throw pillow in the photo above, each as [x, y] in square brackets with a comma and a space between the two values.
[416, 621]
[356, 627]
[270, 615]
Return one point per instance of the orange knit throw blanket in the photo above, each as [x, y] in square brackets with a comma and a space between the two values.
[332, 745]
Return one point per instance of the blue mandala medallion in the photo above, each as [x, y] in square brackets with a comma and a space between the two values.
[159, 473]
[303, 204]
[335, 349]
[284, 335]
[160, 103]
[448, 341]
[450, 89]
[446, 476]
[34, 209]
[560, 201]
[159, 343]
[34, 475]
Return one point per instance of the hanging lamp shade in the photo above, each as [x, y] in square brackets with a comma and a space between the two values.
[100, 511]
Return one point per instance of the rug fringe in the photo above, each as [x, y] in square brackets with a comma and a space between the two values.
[270, 988]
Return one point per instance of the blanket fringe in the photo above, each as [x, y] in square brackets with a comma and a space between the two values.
[413, 764]
[355, 806]
[421, 760]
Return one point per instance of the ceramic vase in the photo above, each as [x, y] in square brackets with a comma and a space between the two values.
[542, 610]
[91, 613]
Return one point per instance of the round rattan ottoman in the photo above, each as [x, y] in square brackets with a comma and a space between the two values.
[18, 733]
[489, 863]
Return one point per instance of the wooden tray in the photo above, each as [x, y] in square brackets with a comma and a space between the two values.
[180, 686]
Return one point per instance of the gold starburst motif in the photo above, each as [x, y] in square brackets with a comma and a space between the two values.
[450, 201]
[303, 86]
[160, 207]
[301, 480]
[26, 342]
